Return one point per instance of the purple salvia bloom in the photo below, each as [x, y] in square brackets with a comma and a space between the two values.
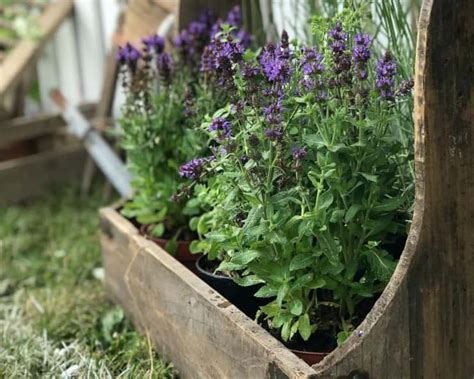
[197, 29]
[298, 153]
[165, 65]
[386, 69]
[361, 54]
[193, 169]
[275, 67]
[234, 17]
[249, 72]
[128, 55]
[222, 126]
[338, 45]
[273, 113]
[275, 134]
[154, 43]
[312, 61]
[244, 38]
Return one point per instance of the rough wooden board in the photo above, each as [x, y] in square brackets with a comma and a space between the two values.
[24, 53]
[25, 178]
[423, 324]
[189, 323]
[22, 128]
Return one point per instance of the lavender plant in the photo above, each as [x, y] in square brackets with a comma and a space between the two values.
[167, 93]
[309, 183]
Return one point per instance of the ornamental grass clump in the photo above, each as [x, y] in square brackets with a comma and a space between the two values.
[167, 92]
[309, 188]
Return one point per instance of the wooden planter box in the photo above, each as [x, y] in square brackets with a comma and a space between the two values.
[422, 326]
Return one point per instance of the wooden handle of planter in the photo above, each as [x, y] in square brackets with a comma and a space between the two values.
[423, 324]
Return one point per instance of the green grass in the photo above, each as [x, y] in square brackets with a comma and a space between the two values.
[54, 318]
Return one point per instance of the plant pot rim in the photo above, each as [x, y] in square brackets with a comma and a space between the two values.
[143, 231]
[211, 274]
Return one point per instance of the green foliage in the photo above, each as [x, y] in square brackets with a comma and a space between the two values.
[312, 229]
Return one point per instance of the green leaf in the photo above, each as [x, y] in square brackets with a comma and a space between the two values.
[195, 247]
[301, 261]
[266, 291]
[337, 216]
[316, 283]
[369, 177]
[313, 140]
[304, 326]
[282, 292]
[285, 331]
[389, 205]
[245, 257]
[296, 307]
[325, 200]
[249, 280]
[353, 209]
[158, 230]
[171, 246]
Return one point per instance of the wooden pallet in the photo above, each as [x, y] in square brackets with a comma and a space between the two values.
[422, 326]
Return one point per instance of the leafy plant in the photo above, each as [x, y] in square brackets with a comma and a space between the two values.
[166, 94]
[310, 179]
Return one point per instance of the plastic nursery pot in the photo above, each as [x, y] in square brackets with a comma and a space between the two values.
[242, 297]
[182, 254]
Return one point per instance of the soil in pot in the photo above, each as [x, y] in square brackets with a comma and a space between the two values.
[242, 297]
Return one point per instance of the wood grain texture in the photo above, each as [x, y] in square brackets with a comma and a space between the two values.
[189, 323]
[29, 177]
[22, 128]
[27, 50]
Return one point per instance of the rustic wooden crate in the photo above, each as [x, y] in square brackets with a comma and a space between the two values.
[59, 159]
[422, 326]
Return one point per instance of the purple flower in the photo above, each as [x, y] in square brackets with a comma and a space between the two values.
[298, 153]
[338, 44]
[361, 54]
[154, 43]
[244, 38]
[406, 87]
[128, 55]
[165, 65]
[275, 134]
[312, 61]
[275, 67]
[234, 17]
[249, 72]
[222, 126]
[386, 69]
[273, 113]
[183, 44]
[283, 50]
[193, 169]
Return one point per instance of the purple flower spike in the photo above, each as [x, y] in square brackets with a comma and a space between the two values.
[386, 69]
[193, 169]
[154, 43]
[128, 55]
[298, 153]
[275, 67]
[361, 54]
[275, 134]
[234, 17]
[165, 65]
[338, 45]
[312, 61]
[222, 126]
[273, 113]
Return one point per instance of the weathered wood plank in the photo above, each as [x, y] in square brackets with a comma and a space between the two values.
[201, 332]
[25, 178]
[25, 51]
[22, 128]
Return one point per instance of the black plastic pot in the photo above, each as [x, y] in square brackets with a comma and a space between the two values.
[242, 297]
